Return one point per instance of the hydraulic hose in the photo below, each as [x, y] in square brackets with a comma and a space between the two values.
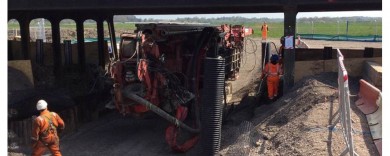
[160, 112]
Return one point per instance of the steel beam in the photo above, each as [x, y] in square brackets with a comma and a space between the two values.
[80, 43]
[100, 36]
[10, 52]
[39, 51]
[68, 52]
[25, 37]
[290, 14]
[111, 29]
[55, 28]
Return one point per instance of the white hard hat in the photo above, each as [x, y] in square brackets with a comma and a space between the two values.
[41, 104]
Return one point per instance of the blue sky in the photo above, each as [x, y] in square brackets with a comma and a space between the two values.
[271, 15]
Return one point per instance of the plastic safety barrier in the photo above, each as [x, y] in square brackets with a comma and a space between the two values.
[370, 103]
[368, 94]
[375, 123]
[378, 144]
[344, 110]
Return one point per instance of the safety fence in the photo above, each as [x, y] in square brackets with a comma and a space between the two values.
[370, 103]
[367, 38]
[344, 111]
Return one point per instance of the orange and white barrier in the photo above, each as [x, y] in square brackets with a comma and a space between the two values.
[370, 103]
[344, 110]
[368, 96]
[301, 44]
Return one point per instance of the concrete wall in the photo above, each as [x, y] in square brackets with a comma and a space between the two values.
[354, 66]
[372, 73]
[318, 54]
[315, 61]
[20, 75]
[91, 52]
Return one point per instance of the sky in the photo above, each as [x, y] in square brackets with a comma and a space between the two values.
[270, 15]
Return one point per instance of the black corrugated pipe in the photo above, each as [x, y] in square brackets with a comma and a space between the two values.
[265, 53]
[204, 38]
[212, 102]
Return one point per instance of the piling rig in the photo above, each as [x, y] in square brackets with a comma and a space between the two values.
[178, 71]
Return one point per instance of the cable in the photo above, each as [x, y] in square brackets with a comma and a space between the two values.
[172, 80]
[275, 48]
[254, 47]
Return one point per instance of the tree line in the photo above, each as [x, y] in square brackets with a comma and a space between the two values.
[232, 20]
[242, 20]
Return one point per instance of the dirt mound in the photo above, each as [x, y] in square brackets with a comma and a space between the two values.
[297, 124]
[303, 96]
[284, 122]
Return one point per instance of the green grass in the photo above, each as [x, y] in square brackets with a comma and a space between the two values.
[334, 28]
[330, 28]
[275, 29]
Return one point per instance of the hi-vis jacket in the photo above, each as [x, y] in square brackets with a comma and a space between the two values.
[272, 69]
[41, 126]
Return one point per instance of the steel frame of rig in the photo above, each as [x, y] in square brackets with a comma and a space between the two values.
[179, 72]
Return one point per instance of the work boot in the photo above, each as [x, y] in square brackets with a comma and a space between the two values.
[275, 97]
[270, 100]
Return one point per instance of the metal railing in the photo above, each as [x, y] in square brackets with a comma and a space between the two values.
[344, 111]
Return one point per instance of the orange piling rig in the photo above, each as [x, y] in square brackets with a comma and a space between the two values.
[163, 68]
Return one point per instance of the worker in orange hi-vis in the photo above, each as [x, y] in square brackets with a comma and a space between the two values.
[273, 72]
[264, 30]
[44, 131]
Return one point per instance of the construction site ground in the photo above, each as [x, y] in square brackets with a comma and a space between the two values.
[296, 124]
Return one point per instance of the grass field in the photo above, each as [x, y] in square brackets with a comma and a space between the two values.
[275, 29]
[330, 28]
